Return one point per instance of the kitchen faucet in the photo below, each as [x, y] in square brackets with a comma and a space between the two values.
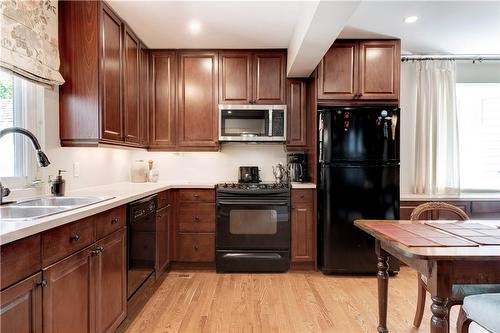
[43, 160]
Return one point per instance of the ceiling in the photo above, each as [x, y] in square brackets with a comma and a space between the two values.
[223, 24]
[443, 27]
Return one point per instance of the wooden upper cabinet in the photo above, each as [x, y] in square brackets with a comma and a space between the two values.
[338, 72]
[162, 100]
[379, 66]
[111, 62]
[197, 99]
[235, 77]
[131, 107]
[296, 113]
[360, 71]
[144, 96]
[269, 77]
[21, 306]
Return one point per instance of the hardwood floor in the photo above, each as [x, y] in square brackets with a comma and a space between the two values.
[203, 301]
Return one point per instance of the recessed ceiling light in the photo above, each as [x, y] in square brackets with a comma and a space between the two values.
[411, 19]
[194, 27]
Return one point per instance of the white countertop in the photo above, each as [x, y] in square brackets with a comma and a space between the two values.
[465, 196]
[122, 193]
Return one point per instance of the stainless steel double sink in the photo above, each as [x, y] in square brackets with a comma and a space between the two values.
[41, 207]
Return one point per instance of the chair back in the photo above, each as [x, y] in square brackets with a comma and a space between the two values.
[429, 206]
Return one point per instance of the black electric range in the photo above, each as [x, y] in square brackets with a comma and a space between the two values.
[253, 227]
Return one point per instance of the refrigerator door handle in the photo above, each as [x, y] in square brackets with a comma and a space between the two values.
[320, 139]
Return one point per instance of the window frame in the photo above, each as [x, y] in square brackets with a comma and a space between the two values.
[28, 98]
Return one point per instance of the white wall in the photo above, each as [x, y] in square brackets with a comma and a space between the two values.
[106, 165]
[407, 130]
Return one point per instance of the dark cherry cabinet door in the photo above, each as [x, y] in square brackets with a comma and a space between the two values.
[67, 297]
[269, 77]
[338, 72]
[197, 99]
[131, 85]
[163, 238]
[235, 77]
[296, 113]
[302, 233]
[110, 282]
[21, 306]
[144, 96]
[379, 66]
[162, 99]
[111, 83]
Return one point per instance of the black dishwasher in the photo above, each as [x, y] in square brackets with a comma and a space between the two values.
[141, 220]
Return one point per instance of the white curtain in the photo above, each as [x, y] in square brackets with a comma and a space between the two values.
[29, 40]
[436, 133]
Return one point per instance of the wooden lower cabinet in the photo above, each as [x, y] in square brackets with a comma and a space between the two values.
[21, 306]
[109, 274]
[195, 247]
[86, 292]
[68, 295]
[303, 227]
[163, 218]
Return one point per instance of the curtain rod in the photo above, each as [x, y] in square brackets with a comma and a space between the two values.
[471, 57]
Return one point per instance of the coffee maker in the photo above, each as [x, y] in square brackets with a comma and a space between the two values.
[297, 167]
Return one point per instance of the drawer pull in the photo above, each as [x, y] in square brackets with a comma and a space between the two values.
[75, 237]
[115, 221]
[196, 247]
[196, 219]
[302, 196]
[196, 196]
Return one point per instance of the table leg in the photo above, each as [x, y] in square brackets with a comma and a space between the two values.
[440, 314]
[383, 287]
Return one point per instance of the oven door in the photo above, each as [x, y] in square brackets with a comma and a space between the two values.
[253, 225]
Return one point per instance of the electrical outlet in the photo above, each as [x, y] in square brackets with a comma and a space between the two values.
[76, 169]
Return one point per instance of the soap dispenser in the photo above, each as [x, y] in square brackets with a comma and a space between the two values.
[57, 186]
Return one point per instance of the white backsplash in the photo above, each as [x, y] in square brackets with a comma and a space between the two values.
[215, 166]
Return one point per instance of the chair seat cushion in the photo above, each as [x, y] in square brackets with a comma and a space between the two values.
[484, 309]
[460, 291]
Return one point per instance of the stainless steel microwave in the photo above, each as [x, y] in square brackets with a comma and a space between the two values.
[252, 123]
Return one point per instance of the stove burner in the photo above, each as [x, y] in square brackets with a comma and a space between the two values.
[254, 186]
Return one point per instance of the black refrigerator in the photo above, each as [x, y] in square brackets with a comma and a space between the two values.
[358, 150]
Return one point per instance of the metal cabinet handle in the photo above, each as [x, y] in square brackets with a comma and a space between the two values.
[196, 196]
[114, 221]
[75, 237]
[196, 247]
[42, 283]
[196, 219]
[97, 251]
[302, 196]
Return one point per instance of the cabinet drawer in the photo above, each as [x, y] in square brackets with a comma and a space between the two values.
[109, 221]
[197, 195]
[485, 207]
[195, 247]
[197, 217]
[19, 260]
[302, 196]
[67, 239]
[163, 199]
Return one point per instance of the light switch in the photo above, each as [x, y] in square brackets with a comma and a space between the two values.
[76, 169]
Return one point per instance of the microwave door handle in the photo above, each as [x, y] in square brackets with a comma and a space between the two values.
[270, 127]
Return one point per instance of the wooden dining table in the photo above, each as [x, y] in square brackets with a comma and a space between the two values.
[443, 265]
